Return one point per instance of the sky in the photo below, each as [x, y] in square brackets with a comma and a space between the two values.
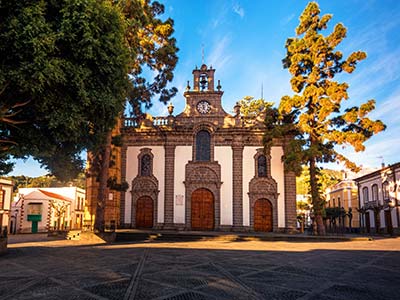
[245, 42]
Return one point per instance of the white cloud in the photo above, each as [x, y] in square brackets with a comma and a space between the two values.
[238, 10]
[287, 19]
[219, 56]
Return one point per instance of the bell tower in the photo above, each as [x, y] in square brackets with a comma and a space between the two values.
[204, 100]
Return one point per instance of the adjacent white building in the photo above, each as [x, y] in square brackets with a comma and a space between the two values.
[379, 202]
[46, 209]
[6, 191]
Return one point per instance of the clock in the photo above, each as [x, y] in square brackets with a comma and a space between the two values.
[203, 107]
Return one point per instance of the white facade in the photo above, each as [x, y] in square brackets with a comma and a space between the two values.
[45, 209]
[182, 155]
[224, 156]
[379, 200]
[204, 169]
[6, 190]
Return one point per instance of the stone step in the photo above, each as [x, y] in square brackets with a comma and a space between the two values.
[74, 235]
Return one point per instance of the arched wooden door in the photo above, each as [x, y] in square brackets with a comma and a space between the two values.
[202, 210]
[144, 212]
[262, 215]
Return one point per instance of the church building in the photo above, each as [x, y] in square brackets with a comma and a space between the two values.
[202, 169]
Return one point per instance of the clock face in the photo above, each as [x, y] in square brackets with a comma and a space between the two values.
[203, 107]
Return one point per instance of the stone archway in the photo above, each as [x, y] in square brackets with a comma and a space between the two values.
[263, 215]
[202, 209]
[144, 212]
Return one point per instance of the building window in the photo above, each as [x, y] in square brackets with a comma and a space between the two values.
[339, 204]
[385, 190]
[203, 146]
[262, 166]
[375, 192]
[145, 165]
[365, 194]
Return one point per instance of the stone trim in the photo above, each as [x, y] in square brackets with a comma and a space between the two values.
[261, 151]
[205, 175]
[123, 179]
[211, 130]
[263, 188]
[290, 201]
[142, 153]
[144, 186]
[169, 178]
[237, 182]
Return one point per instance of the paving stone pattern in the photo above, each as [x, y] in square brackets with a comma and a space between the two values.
[63, 270]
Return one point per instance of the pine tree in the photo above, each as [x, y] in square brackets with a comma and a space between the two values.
[313, 61]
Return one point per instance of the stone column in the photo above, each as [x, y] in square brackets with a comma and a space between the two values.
[123, 179]
[169, 186]
[237, 173]
[290, 201]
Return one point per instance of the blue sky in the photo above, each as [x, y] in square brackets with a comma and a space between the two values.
[244, 41]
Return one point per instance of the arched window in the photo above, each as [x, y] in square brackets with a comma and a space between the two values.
[385, 190]
[375, 192]
[145, 165]
[203, 146]
[365, 194]
[262, 166]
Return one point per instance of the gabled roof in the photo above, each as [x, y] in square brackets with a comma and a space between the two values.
[44, 195]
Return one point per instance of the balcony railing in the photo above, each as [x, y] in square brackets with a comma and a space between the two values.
[155, 121]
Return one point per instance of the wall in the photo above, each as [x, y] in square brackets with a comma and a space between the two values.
[182, 155]
[224, 157]
[277, 172]
[7, 188]
[248, 174]
[132, 171]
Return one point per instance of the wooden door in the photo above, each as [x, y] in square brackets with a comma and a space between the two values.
[262, 215]
[202, 210]
[144, 212]
[367, 222]
[388, 222]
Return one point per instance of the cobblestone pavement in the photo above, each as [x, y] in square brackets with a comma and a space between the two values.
[60, 269]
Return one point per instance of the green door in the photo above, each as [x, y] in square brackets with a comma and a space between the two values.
[34, 226]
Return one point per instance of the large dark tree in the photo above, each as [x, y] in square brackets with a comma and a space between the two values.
[63, 78]
[313, 61]
[154, 52]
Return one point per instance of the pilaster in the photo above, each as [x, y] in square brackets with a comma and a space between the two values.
[237, 180]
[169, 186]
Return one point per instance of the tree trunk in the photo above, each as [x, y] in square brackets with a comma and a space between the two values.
[102, 193]
[316, 201]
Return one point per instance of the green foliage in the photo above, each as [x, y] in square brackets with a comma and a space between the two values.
[63, 81]
[326, 178]
[113, 184]
[22, 181]
[154, 52]
[251, 108]
[313, 61]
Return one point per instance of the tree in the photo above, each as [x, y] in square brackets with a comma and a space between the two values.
[312, 60]
[63, 79]
[154, 48]
[326, 178]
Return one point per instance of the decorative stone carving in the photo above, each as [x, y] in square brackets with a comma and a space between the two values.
[203, 175]
[264, 188]
[145, 186]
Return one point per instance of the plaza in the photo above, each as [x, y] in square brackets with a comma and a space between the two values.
[38, 267]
